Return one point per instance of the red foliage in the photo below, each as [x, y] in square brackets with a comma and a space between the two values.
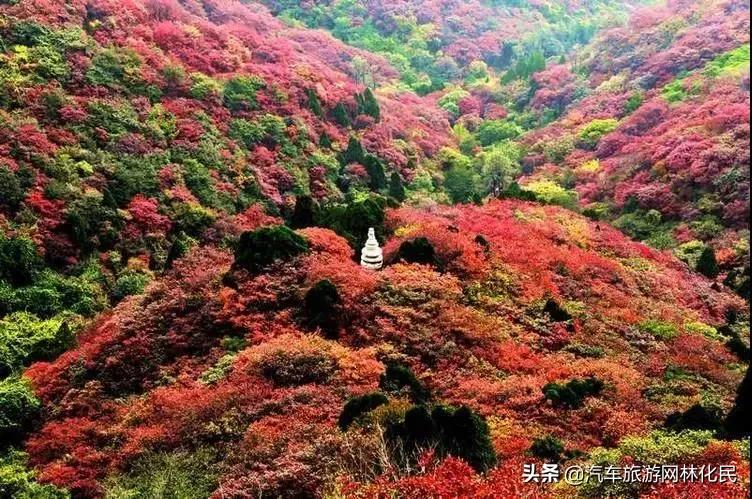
[452, 478]
[667, 156]
[556, 87]
[479, 325]
[161, 371]
[145, 217]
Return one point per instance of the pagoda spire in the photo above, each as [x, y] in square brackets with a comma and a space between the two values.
[371, 256]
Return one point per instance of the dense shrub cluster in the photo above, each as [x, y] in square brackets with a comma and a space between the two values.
[418, 250]
[322, 307]
[572, 394]
[697, 417]
[24, 339]
[548, 448]
[358, 406]
[398, 378]
[458, 432]
[261, 247]
[18, 408]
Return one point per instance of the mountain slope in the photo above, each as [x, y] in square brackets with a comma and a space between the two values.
[196, 98]
[660, 145]
[185, 186]
[195, 365]
[435, 43]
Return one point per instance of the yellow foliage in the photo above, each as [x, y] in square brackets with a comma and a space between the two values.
[591, 166]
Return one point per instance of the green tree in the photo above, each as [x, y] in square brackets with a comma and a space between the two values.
[396, 187]
[91, 223]
[324, 141]
[352, 220]
[341, 115]
[697, 417]
[114, 67]
[304, 213]
[354, 152]
[167, 475]
[514, 191]
[240, 92]
[133, 176]
[549, 192]
[499, 166]
[191, 218]
[398, 377]
[129, 283]
[203, 86]
[18, 407]
[24, 338]
[376, 174]
[19, 260]
[737, 422]
[357, 406]
[11, 191]
[572, 394]
[368, 105]
[493, 131]
[199, 181]
[592, 132]
[459, 432]
[18, 482]
[525, 67]
[418, 250]
[313, 102]
[459, 183]
[261, 247]
[548, 448]
[267, 128]
[52, 293]
[707, 264]
[323, 307]
[633, 102]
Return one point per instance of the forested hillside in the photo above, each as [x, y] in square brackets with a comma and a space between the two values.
[645, 126]
[435, 42]
[660, 146]
[560, 189]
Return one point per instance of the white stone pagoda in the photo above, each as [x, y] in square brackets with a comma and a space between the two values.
[371, 256]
